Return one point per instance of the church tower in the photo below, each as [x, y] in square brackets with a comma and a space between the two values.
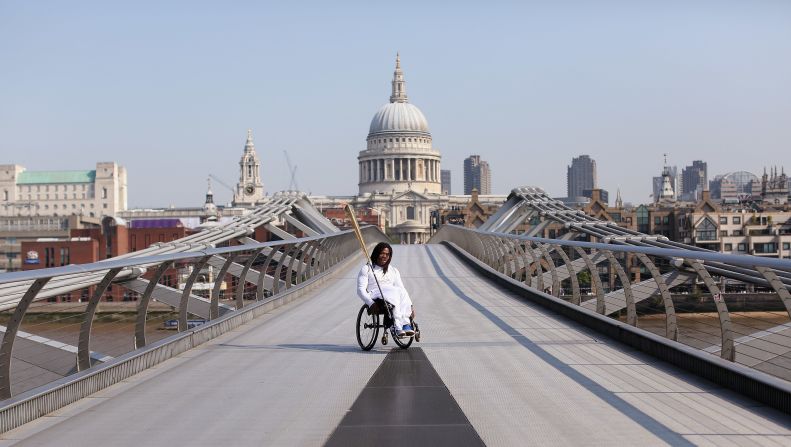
[250, 189]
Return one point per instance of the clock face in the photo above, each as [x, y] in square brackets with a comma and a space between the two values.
[249, 190]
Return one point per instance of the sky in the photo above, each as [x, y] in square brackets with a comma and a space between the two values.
[169, 89]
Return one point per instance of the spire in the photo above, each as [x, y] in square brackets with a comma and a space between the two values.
[249, 146]
[618, 200]
[399, 85]
[209, 194]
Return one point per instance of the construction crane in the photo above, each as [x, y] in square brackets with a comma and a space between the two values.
[292, 186]
[230, 188]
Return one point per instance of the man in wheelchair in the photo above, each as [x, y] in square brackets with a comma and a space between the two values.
[389, 285]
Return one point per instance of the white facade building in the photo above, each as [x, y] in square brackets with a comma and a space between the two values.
[399, 171]
[93, 193]
[250, 188]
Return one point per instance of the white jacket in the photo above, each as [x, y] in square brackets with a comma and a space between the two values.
[366, 284]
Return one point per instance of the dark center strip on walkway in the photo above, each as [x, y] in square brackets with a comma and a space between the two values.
[627, 409]
[405, 403]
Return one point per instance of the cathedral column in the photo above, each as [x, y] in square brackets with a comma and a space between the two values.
[409, 169]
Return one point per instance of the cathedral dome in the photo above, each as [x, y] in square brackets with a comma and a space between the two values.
[398, 117]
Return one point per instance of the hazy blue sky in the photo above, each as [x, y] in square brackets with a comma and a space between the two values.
[168, 89]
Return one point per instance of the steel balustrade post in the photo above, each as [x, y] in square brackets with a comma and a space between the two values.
[510, 261]
[290, 281]
[519, 260]
[529, 261]
[575, 284]
[185, 296]
[595, 280]
[307, 261]
[12, 327]
[778, 286]
[486, 257]
[214, 304]
[261, 291]
[142, 305]
[500, 253]
[287, 250]
[536, 256]
[671, 325]
[473, 242]
[331, 247]
[555, 281]
[728, 350]
[631, 310]
[84, 342]
[243, 277]
[321, 256]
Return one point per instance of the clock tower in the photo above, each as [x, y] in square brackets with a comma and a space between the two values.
[250, 189]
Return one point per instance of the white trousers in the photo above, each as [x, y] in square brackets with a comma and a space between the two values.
[399, 298]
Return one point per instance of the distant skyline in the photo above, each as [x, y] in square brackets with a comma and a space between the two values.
[169, 90]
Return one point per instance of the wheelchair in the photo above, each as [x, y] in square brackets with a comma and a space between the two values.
[378, 316]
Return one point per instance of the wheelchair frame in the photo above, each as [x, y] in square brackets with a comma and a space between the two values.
[369, 323]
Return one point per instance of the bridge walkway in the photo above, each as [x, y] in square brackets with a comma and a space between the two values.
[520, 375]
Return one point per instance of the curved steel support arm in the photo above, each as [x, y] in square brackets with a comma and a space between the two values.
[631, 311]
[185, 296]
[7, 347]
[243, 277]
[727, 351]
[595, 280]
[671, 325]
[575, 284]
[145, 300]
[214, 305]
[555, 281]
[84, 343]
[777, 286]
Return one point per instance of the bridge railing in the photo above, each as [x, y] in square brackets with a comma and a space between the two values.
[743, 317]
[59, 320]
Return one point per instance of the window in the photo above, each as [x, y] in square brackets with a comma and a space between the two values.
[786, 245]
[104, 205]
[723, 220]
[728, 247]
[706, 231]
[104, 193]
[666, 220]
[410, 212]
[737, 233]
[768, 247]
[64, 256]
[657, 220]
[741, 247]
[737, 219]
[642, 219]
[723, 232]
[49, 257]
[5, 195]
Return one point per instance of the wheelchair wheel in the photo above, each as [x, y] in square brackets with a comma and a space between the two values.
[367, 328]
[403, 343]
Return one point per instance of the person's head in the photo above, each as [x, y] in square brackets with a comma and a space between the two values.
[382, 255]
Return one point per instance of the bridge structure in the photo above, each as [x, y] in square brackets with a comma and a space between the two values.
[525, 340]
